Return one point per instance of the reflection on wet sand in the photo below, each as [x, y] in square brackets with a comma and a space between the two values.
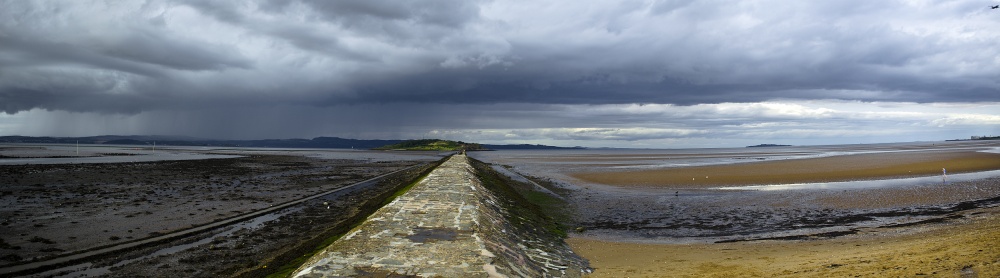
[826, 169]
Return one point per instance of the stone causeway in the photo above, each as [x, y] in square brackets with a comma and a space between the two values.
[432, 230]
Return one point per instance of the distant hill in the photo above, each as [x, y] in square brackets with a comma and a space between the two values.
[318, 142]
[768, 145]
[432, 145]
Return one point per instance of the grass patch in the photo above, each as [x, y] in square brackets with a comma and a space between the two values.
[406, 188]
[532, 207]
[555, 207]
[431, 145]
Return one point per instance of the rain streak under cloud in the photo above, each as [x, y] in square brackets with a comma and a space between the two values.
[600, 73]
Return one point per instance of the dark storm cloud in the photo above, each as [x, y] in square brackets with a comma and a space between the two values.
[135, 49]
[194, 56]
[227, 11]
[380, 13]
[146, 48]
[516, 70]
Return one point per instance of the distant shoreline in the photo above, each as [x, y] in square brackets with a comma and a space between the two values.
[314, 143]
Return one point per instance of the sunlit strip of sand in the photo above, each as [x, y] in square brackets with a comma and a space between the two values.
[968, 248]
[826, 169]
[871, 184]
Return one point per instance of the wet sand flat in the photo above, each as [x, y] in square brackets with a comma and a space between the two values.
[966, 248]
[658, 216]
[655, 156]
[54, 209]
[826, 169]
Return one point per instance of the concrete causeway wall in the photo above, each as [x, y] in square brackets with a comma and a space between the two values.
[448, 225]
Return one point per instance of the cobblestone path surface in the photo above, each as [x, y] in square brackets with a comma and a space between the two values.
[428, 231]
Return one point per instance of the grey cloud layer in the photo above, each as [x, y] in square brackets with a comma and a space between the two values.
[622, 125]
[124, 57]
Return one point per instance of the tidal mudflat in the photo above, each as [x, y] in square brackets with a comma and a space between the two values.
[788, 198]
[63, 206]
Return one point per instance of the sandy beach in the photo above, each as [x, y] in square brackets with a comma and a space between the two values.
[648, 215]
[966, 248]
[826, 169]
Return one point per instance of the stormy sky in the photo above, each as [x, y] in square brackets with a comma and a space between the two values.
[660, 74]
